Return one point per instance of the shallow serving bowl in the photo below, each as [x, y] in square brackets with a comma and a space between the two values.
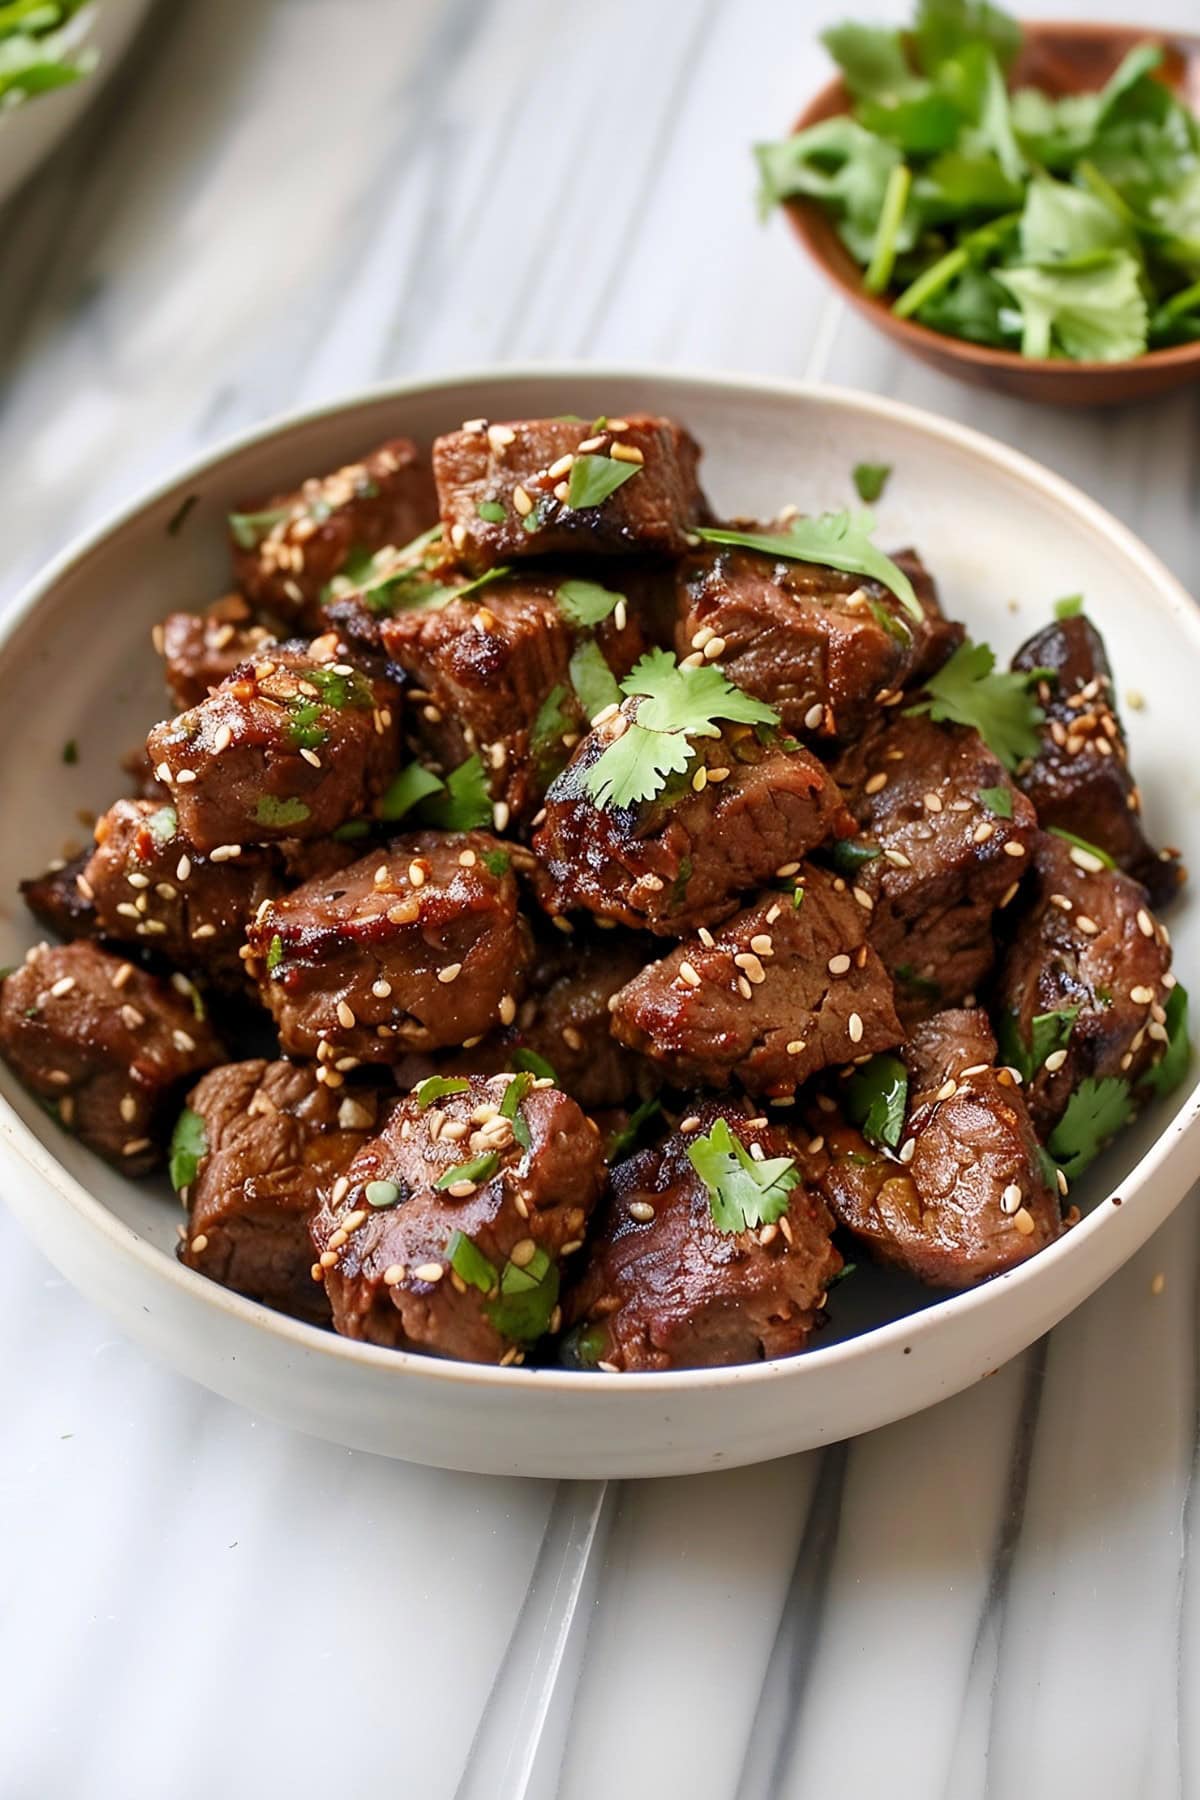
[1061, 59]
[1004, 537]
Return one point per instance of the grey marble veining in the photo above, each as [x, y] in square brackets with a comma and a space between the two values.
[278, 201]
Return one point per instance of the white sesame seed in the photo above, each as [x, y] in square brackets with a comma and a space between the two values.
[795, 1047]
[897, 859]
[199, 1244]
[854, 1027]
[225, 853]
[1010, 1199]
[450, 973]
[346, 1016]
[1023, 1220]
[1055, 1061]
[63, 986]
[838, 965]
[715, 647]
[500, 815]
[429, 1271]
[185, 776]
[813, 717]
[416, 874]
[983, 831]
[786, 869]
[1088, 926]
[932, 803]
[1012, 848]
[626, 453]
[1084, 859]
[947, 1090]
[688, 974]
[700, 779]
[522, 502]
[908, 1150]
[642, 1211]
[762, 943]
[183, 1041]
[691, 1123]
[875, 784]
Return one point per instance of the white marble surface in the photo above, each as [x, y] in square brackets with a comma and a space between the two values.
[277, 201]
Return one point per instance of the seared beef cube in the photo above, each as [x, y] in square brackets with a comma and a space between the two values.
[1090, 962]
[265, 1140]
[495, 675]
[742, 810]
[108, 1046]
[201, 650]
[57, 900]
[966, 1196]
[522, 489]
[952, 838]
[781, 990]
[417, 946]
[562, 1026]
[287, 549]
[149, 887]
[819, 646]
[1080, 780]
[667, 1288]
[446, 1232]
[291, 746]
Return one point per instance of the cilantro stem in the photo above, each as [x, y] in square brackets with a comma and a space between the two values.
[937, 276]
[1179, 303]
[891, 216]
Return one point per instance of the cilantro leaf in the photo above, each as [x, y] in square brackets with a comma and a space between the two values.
[469, 1263]
[833, 541]
[272, 810]
[585, 603]
[466, 802]
[998, 801]
[967, 690]
[413, 784]
[1172, 1066]
[249, 529]
[1061, 222]
[1094, 312]
[1069, 607]
[1096, 1111]
[675, 705]
[594, 478]
[510, 1107]
[875, 1099]
[594, 682]
[435, 1087]
[870, 479]
[742, 1193]
[189, 1145]
[945, 27]
[527, 1298]
[873, 63]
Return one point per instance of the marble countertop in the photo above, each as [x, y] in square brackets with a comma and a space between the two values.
[277, 201]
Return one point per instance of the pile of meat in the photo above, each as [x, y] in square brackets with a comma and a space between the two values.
[495, 1033]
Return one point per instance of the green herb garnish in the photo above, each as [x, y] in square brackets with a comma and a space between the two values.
[1069, 607]
[70, 751]
[919, 985]
[1078, 843]
[469, 1263]
[492, 511]
[676, 705]
[496, 862]
[594, 682]
[875, 1098]
[849, 855]
[622, 1141]
[968, 690]
[586, 603]
[1096, 1111]
[272, 811]
[477, 1169]
[162, 824]
[594, 478]
[249, 529]
[510, 1107]
[435, 1087]
[998, 801]
[833, 541]
[466, 802]
[534, 1064]
[413, 784]
[742, 1193]
[527, 1299]
[189, 1145]
[274, 954]
[870, 479]
[1172, 1066]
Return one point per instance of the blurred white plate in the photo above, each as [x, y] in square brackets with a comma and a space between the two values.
[31, 130]
[1004, 537]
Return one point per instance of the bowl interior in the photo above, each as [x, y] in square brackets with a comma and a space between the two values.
[77, 664]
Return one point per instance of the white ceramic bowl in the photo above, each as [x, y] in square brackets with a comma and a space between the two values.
[30, 131]
[1004, 536]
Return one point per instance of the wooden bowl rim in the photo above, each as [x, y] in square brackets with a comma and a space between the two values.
[812, 223]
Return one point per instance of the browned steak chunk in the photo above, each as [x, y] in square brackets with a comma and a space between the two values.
[1080, 779]
[544, 487]
[743, 809]
[263, 1141]
[667, 1287]
[776, 993]
[57, 900]
[108, 1046]
[1083, 989]
[286, 550]
[417, 946]
[817, 645]
[447, 1231]
[964, 1195]
[201, 650]
[291, 746]
[944, 838]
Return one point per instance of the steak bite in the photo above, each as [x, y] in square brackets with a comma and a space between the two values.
[201, 650]
[147, 886]
[417, 946]
[288, 549]
[108, 1046]
[666, 1287]
[743, 809]
[776, 993]
[944, 840]
[58, 901]
[262, 1142]
[290, 746]
[554, 487]
[1084, 985]
[823, 648]
[446, 1232]
[501, 674]
[1080, 780]
[966, 1196]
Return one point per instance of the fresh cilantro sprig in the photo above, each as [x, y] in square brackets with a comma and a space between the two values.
[462, 802]
[189, 1146]
[675, 705]
[1172, 1065]
[840, 540]
[870, 479]
[742, 1193]
[875, 1099]
[586, 603]
[1094, 1114]
[969, 690]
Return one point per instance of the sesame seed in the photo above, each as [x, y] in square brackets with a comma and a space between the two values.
[225, 853]
[688, 974]
[854, 1027]
[429, 1271]
[715, 647]
[135, 1146]
[205, 931]
[128, 1108]
[1064, 1186]
[1010, 1199]
[786, 869]
[222, 737]
[908, 1150]
[706, 937]
[416, 874]
[341, 1188]
[1141, 996]
[1145, 923]
[931, 802]
[897, 859]
[185, 776]
[795, 1047]
[642, 1211]
[127, 909]
[346, 1016]
[947, 1090]
[162, 772]
[328, 1259]
[875, 784]
[138, 881]
[1012, 848]
[1088, 926]
[700, 779]
[747, 960]
[1023, 1220]
[1158, 1284]
[62, 987]
[1055, 1061]
[507, 1009]
[838, 965]
[310, 756]
[450, 973]
[131, 1018]
[813, 717]
[763, 944]
[691, 1123]
[626, 453]
[983, 831]
[183, 1041]
[1085, 860]
[772, 914]
[1010, 893]
[744, 988]
[522, 502]
[500, 815]
[199, 1244]
[393, 1275]
[122, 975]
[591, 443]
[354, 1219]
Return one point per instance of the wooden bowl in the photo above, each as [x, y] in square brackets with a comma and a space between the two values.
[1061, 59]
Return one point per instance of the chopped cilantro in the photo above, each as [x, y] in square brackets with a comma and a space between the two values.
[1096, 1111]
[527, 1299]
[916, 984]
[492, 511]
[1048, 1031]
[434, 1087]
[1069, 607]
[1078, 843]
[412, 784]
[679, 886]
[163, 824]
[478, 1168]
[998, 801]
[967, 690]
[304, 730]
[381, 1194]
[594, 478]
[875, 1099]
[554, 719]
[833, 541]
[249, 529]
[70, 751]
[466, 802]
[352, 830]
[623, 1139]
[584, 1346]
[676, 704]
[594, 682]
[535, 1064]
[496, 862]
[469, 1263]
[1172, 1066]
[189, 1145]
[849, 855]
[742, 1193]
[273, 811]
[889, 623]
[340, 691]
[586, 603]
[274, 954]
[870, 479]
[510, 1107]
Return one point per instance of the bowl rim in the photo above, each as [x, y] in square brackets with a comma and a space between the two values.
[805, 1365]
[808, 219]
